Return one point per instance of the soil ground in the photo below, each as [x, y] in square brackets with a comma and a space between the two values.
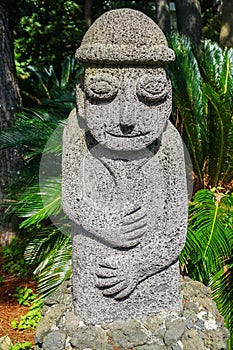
[10, 309]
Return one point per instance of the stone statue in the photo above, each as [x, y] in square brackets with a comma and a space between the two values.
[124, 181]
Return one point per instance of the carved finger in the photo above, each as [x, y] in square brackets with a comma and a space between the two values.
[124, 293]
[106, 272]
[127, 244]
[107, 282]
[115, 289]
[134, 216]
[109, 263]
[135, 226]
[135, 235]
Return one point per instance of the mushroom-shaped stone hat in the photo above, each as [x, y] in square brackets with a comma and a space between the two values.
[124, 36]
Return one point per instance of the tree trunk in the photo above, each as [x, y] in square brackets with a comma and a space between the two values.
[9, 104]
[163, 15]
[226, 32]
[189, 19]
[88, 12]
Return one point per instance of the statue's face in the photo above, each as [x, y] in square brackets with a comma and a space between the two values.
[126, 108]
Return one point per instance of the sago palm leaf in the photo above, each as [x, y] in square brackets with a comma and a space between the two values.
[55, 268]
[208, 232]
[189, 99]
[49, 102]
[207, 255]
[203, 96]
[221, 284]
[31, 131]
[217, 68]
[46, 240]
[220, 125]
[38, 203]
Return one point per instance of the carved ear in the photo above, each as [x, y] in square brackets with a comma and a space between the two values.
[80, 97]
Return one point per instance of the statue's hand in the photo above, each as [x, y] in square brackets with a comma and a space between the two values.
[117, 277]
[131, 228]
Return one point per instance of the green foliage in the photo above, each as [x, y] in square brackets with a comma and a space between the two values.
[22, 346]
[202, 91]
[147, 7]
[211, 19]
[31, 319]
[14, 324]
[13, 260]
[44, 85]
[37, 202]
[55, 266]
[25, 295]
[207, 256]
[51, 100]
[44, 31]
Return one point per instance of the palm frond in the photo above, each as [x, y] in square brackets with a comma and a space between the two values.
[209, 232]
[38, 132]
[207, 255]
[220, 124]
[38, 203]
[216, 67]
[189, 99]
[221, 285]
[203, 97]
[55, 268]
[43, 243]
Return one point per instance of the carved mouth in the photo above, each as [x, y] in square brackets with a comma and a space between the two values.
[128, 136]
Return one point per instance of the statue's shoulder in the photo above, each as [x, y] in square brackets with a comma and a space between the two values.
[171, 138]
[74, 135]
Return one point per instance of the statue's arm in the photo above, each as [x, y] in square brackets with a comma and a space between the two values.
[168, 244]
[117, 229]
[111, 228]
[119, 275]
[73, 198]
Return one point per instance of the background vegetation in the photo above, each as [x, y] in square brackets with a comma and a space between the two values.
[46, 34]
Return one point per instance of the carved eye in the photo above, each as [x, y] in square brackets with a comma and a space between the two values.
[152, 88]
[101, 86]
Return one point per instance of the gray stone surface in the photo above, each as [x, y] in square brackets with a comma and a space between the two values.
[128, 334]
[71, 323]
[124, 181]
[174, 330]
[156, 325]
[89, 337]
[151, 347]
[153, 333]
[54, 341]
[48, 320]
[191, 340]
[5, 343]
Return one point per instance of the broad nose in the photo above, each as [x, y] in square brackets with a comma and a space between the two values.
[126, 129]
[127, 107]
[127, 116]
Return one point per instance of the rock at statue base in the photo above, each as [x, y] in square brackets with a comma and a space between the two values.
[124, 179]
[198, 327]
